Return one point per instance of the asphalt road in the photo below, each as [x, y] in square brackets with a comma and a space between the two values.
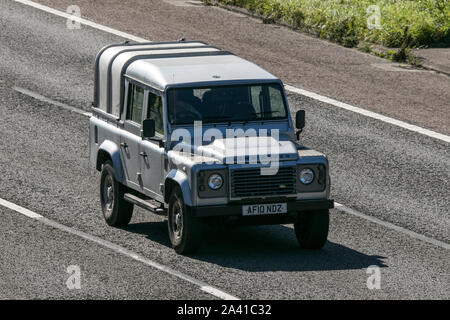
[381, 170]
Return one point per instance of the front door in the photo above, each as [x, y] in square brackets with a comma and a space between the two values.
[152, 154]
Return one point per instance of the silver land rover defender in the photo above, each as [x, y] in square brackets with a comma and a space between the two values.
[197, 134]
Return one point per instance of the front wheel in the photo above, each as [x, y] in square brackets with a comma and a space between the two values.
[116, 211]
[311, 229]
[185, 231]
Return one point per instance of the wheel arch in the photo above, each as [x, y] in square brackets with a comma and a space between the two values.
[177, 178]
[108, 150]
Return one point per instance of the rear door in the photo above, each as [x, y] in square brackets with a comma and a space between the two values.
[131, 139]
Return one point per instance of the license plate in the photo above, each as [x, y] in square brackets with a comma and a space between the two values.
[261, 209]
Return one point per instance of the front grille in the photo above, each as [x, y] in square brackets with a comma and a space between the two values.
[250, 182]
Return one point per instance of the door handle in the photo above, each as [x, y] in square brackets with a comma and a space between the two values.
[124, 145]
[143, 154]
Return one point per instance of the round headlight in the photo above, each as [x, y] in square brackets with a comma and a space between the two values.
[306, 176]
[215, 181]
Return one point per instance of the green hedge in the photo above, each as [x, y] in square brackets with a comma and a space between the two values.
[426, 22]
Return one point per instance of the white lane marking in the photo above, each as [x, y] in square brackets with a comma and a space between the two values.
[218, 293]
[39, 97]
[112, 246]
[307, 93]
[184, 3]
[14, 207]
[392, 226]
[81, 20]
[369, 114]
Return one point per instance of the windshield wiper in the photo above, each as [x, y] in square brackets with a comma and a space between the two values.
[264, 112]
[254, 114]
[218, 118]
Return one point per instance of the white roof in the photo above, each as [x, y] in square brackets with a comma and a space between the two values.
[164, 64]
[199, 69]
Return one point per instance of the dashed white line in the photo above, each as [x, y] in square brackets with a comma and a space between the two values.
[112, 246]
[293, 89]
[392, 226]
[39, 97]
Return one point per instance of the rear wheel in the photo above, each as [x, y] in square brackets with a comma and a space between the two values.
[116, 211]
[185, 231]
[311, 229]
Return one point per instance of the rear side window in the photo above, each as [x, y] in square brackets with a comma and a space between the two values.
[155, 111]
[135, 103]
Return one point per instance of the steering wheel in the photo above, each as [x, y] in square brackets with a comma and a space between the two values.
[246, 109]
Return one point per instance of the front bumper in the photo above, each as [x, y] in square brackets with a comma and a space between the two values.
[235, 208]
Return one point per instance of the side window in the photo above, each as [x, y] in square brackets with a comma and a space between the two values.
[155, 112]
[276, 102]
[135, 103]
[256, 94]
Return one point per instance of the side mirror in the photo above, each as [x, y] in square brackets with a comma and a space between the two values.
[300, 119]
[299, 122]
[148, 128]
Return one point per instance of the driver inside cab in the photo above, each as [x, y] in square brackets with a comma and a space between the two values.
[184, 106]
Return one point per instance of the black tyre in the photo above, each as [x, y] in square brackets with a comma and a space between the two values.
[311, 229]
[185, 231]
[116, 211]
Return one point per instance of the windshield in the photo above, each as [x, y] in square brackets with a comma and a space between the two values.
[226, 104]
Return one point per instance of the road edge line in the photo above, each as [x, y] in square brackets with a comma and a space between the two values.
[119, 249]
[81, 20]
[369, 114]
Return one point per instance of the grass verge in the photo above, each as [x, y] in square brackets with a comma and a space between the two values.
[399, 24]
